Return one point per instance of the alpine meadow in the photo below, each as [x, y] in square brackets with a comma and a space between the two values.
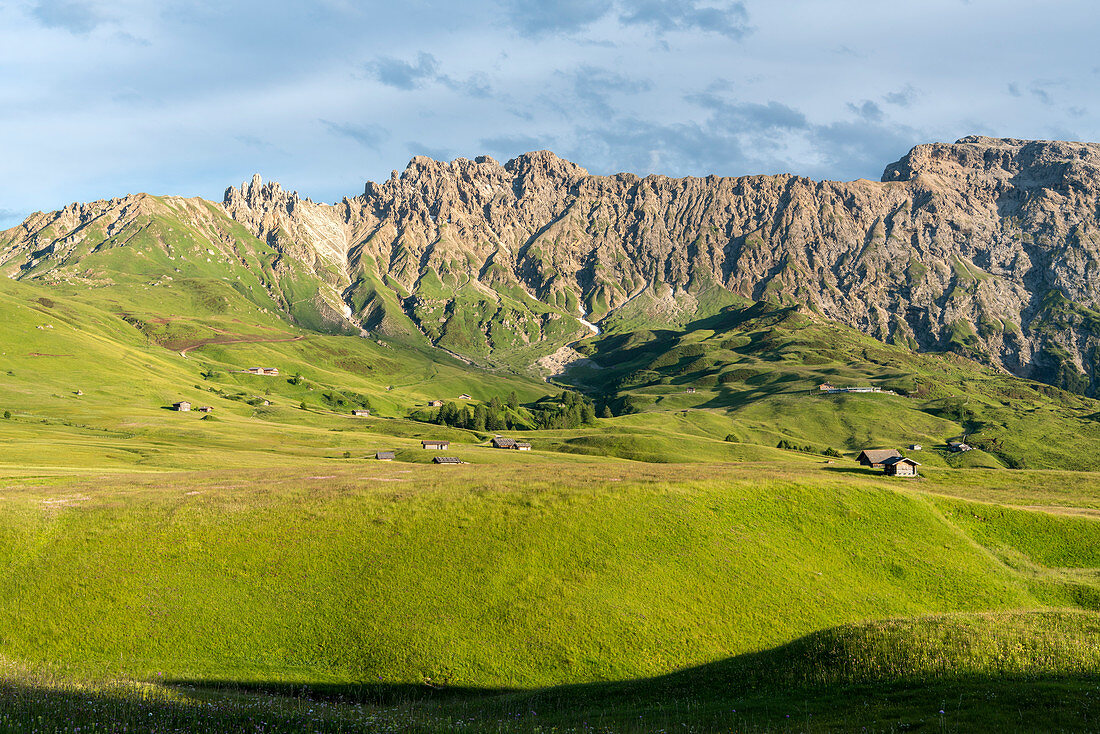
[523, 443]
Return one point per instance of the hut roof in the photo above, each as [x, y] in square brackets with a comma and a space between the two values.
[900, 459]
[447, 460]
[384, 455]
[876, 456]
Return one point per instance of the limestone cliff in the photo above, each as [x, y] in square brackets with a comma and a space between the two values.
[987, 247]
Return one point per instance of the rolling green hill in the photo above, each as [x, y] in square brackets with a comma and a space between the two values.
[752, 373]
[393, 585]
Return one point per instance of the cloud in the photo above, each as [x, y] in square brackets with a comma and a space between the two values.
[851, 148]
[903, 97]
[70, 15]
[401, 74]
[592, 87]
[769, 116]
[729, 19]
[476, 85]
[738, 137]
[1041, 94]
[1014, 89]
[368, 135]
[849, 51]
[407, 76]
[867, 110]
[537, 18]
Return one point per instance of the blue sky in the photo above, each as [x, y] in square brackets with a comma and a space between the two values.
[99, 98]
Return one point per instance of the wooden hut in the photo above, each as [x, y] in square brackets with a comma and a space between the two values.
[900, 466]
[876, 458]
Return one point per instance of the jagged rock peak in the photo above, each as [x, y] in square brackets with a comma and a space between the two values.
[539, 162]
[256, 194]
[546, 162]
[1029, 163]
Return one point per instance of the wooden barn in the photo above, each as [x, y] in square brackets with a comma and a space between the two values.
[899, 466]
[361, 413]
[384, 456]
[876, 458]
[446, 460]
[439, 445]
[182, 406]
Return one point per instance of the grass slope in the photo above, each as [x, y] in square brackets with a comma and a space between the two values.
[407, 598]
[476, 576]
[752, 373]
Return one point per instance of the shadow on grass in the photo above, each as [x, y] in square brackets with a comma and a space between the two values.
[976, 703]
[954, 672]
[903, 675]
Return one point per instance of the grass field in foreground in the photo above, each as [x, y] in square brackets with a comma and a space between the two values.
[410, 597]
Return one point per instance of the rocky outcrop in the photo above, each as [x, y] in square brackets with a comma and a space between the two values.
[987, 247]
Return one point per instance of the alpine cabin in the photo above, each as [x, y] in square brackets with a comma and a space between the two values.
[899, 466]
[876, 458]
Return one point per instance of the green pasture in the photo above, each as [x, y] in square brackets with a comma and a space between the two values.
[405, 596]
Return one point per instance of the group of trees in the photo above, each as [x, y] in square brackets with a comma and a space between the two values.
[491, 417]
[567, 410]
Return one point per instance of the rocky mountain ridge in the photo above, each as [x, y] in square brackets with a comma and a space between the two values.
[986, 247]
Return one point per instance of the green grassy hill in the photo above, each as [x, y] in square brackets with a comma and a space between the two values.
[753, 374]
[407, 579]
[481, 576]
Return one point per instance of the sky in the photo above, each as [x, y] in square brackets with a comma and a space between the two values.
[100, 98]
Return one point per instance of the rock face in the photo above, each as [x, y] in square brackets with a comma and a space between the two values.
[987, 247]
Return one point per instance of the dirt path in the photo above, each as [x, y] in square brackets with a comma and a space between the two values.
[243, 340]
